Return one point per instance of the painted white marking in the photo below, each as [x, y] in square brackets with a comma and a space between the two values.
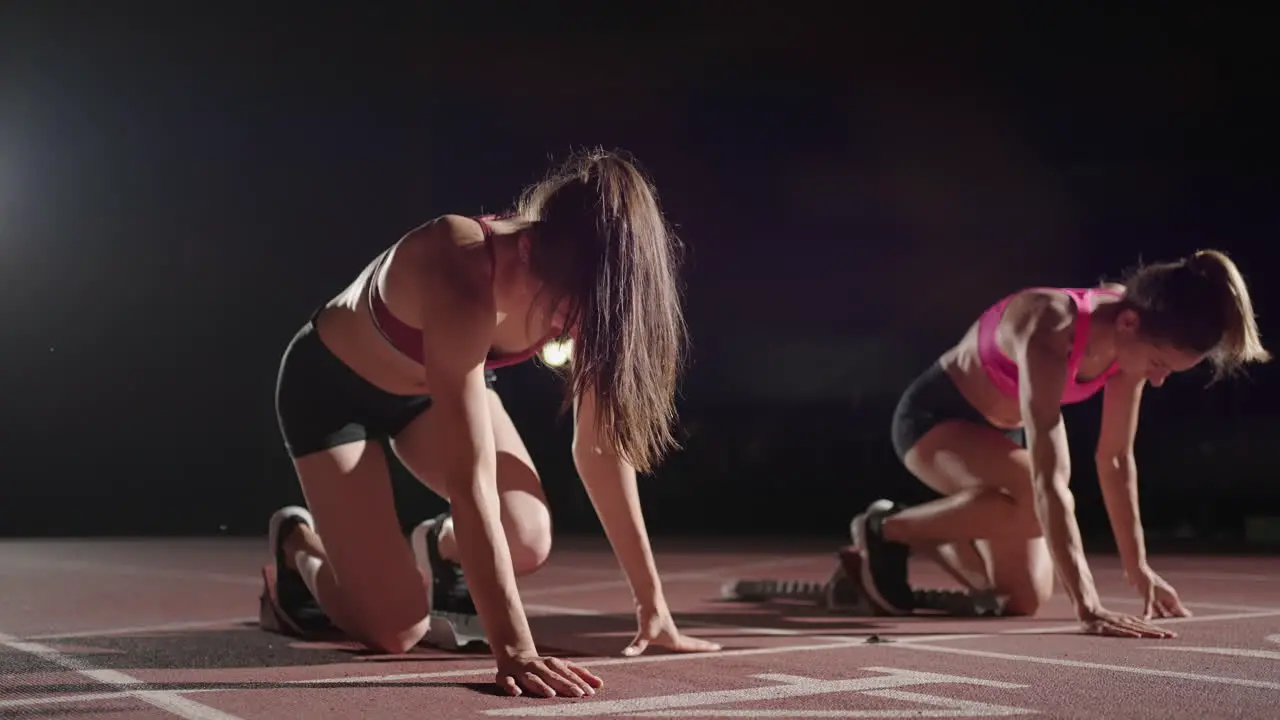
[833, 642]
[59, 699]
[1230, 577]
[776, 632]
[145, 629]
[1163, 621]
[139, 570]
[954, 708]
[791, 687]
[711, 573]
[1193, 604]
[830, 643]
[488, 670]
[1153, 672]
[948, 708]
[1274, 638]
[170, 702]
[1234, 652]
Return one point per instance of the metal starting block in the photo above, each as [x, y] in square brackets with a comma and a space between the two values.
[842, 593]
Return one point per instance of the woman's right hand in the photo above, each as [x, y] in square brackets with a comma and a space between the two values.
[1101, 621]
[545, 677]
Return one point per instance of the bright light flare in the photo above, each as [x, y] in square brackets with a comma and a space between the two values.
[557, 352]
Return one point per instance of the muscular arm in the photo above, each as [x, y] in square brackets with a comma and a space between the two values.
[1042, 332]
[1117, 469]
[458, 319]
[611, 484]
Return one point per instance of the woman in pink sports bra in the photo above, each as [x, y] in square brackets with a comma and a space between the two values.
[404, 357]
[983, 428]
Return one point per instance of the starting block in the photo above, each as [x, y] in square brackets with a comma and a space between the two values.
[842, 593]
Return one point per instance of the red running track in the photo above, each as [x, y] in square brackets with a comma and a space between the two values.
[157, 629]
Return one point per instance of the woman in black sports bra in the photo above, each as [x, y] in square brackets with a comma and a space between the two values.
[405, 355]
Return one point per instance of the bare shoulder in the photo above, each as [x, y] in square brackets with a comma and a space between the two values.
[448, 253]
[455, 278]
[1042, 317]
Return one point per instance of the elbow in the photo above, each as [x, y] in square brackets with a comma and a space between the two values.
[588, 450]
[1111, 460]
[1052, 475]
[471, 479]
[1053, 482]
[580, 449]
[1053, 500]
[1051, 465]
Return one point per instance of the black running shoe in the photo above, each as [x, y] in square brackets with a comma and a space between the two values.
[884, 569]
[455, 622]
[294, 597]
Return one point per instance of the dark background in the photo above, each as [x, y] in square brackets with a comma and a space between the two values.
[182, 183]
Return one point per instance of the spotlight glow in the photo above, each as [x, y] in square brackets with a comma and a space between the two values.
[557, 352]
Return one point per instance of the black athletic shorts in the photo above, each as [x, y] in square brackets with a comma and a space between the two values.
[932, 399]
[322, 403]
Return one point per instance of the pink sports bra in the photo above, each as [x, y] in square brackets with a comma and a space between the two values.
[408, 339]
[1003, 371]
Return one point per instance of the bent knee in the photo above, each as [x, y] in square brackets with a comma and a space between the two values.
[393, 617]
[396, 638]
[1026, 600]
[1023, 523]
[1026, 523]
[529, 537]
[1024, 605]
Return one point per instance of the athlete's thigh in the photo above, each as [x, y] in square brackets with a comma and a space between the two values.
[417, 446]
[960, 455]
[348, 491]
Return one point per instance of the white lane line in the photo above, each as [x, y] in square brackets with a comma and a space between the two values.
[711, 573]
[791, 687]
[135, 570]
[714, 573]
[1233, 652]
[1081, 664]
[145, 629]
[764, 631]
[58, 699]
[169, 701]
[1227, 576]
[85, 697]
[1035, 630]
[942, 707]
[488, 670]
[1057, 629]
[829, 643]
[1194, 604]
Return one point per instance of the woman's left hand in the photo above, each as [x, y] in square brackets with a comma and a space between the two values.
[657, 627]
[1159, 599]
